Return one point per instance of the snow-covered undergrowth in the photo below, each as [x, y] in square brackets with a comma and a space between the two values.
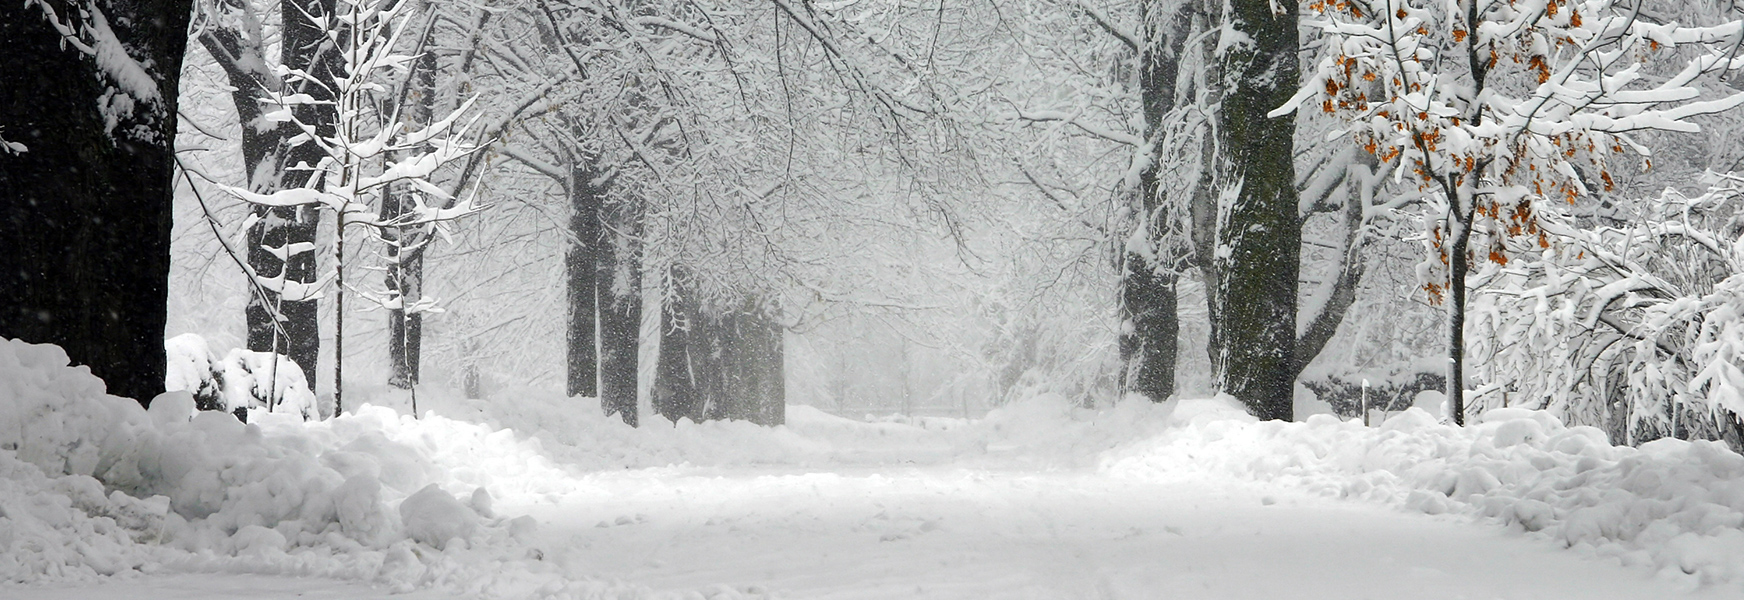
[1671, 506]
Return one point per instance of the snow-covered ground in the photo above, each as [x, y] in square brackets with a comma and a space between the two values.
[531, 495]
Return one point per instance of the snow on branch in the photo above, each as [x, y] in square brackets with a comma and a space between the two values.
[1073, 119]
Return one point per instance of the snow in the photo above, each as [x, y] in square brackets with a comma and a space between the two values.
[242, 379]
[1041, 498]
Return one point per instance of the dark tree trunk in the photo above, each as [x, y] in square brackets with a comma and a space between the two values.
[85, 208]
[1148, 301]
[297, 335]
[292, 230]
[619, 293]
[405, 245]
[1456, 317]
[1148, 338]
[581, 266]
[1259, 243]
[719, 364]
[675, 394]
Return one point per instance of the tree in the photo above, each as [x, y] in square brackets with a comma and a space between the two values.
[1254, 231]
[280, 242]
[87, 128]
[1631, 325]
[1496, 110]
[1150, 268]
[370, 153]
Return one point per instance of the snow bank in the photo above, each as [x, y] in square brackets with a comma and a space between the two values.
[92, 485]
[1672, 506]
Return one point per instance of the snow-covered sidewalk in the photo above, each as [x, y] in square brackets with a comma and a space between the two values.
[536, 496]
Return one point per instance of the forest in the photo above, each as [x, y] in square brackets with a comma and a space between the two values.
[722, 234]
[889, 206]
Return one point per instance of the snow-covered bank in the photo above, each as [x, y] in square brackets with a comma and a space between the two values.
[1672, 506]
[92, 485]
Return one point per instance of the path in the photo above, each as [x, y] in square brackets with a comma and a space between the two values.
[942, 532]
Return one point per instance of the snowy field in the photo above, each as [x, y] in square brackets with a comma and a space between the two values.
[529, 496]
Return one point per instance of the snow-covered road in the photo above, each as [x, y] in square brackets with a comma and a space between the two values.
[945, 532]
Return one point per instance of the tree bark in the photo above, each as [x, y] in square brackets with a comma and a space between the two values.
[86, 217]
[1456, 315]
[581, 266]
[1150, 329]
[1259, 235]
[405, 246]
[618, 288]
[1150, 323]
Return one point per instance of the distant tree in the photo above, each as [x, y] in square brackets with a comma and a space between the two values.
[88, 118]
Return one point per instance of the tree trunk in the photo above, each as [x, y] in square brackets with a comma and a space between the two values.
[405, 246]
[581, 264]
[1259, 237]
[292, 230]
[675, 390]
[87, 215]
[1204, 211]
[719, 363]
[1150, 323]
[618, 288]
[1456, 317]
[1149, 329]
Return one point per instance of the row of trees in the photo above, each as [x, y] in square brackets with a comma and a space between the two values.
[744, 168]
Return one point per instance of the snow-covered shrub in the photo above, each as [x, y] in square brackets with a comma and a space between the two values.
[240, 382]
[1634, 326]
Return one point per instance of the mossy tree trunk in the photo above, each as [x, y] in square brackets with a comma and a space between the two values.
[1258, 235]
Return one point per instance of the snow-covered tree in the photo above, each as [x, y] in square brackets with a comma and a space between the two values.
[1634, 325]
[1496, 111]
[238, 34]
[369, 159]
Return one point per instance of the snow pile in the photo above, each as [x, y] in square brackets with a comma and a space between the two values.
[92, 485]
[1672, 506]
[241, 379]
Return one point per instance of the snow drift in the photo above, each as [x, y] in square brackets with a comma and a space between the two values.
[1676, 507]
[92, 485]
